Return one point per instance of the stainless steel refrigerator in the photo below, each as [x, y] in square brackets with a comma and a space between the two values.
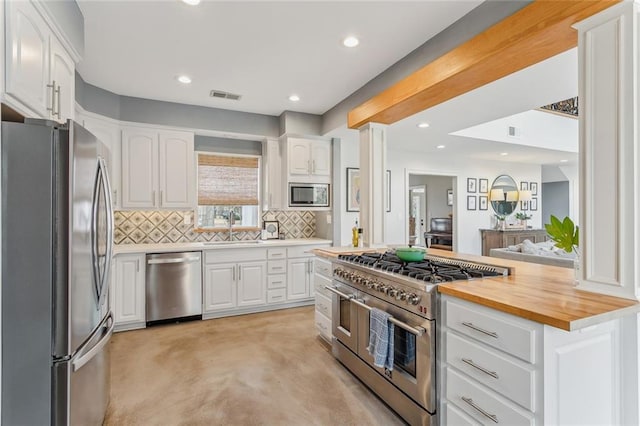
[57, 240]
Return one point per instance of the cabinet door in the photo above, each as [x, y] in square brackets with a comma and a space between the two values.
[321, 158]
[298, 279]
[219, 287]
[139, 168]
[129, 289]
[63, 73]
[252, 288]
[272, 170]
[27, 56]
[109, 149]
[299, 153]
[177, 170]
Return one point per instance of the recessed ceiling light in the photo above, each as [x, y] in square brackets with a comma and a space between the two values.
[440, 146]
[351, 41]
[423, 125]
[504, 153]
[191, 2]
[294, 98]
[564, 161]
[184, 79]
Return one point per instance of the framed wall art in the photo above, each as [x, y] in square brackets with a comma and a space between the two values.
[272, 229]
[483, 186]
[471, 184]
[449, 197]
[524, 186]
[484, 202]
[353, 189]
[471, 202]
[533, 204]
[533, 187]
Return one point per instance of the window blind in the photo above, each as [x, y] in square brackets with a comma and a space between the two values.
[227, 180]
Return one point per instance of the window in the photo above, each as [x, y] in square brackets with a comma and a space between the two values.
[228, 191]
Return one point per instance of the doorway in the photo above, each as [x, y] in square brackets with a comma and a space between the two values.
[429, 196]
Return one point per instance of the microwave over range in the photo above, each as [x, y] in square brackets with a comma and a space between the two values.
[309, 195]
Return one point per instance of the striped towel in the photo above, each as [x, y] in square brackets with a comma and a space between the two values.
[381, 339]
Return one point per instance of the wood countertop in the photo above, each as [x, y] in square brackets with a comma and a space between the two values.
[540, 293]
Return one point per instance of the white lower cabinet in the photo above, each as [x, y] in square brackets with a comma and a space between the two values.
[128, 291]
[499, 368]
[230, 285]
[322, 277]
[299, 276]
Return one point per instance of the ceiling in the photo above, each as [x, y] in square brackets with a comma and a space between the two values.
[266, 51]
[262, 50]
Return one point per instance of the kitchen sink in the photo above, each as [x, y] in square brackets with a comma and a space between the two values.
[234, 243]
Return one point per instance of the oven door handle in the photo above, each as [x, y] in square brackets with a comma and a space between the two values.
[339, 293]
[417, 331]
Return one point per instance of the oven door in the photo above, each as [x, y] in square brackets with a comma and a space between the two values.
[414, 356]
[344, 319]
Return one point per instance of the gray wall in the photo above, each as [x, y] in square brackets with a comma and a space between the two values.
[227, 146]
[473, 23]
[299, 123]
[69, 20]
[555, 200]
[437, 187]
[138, 110]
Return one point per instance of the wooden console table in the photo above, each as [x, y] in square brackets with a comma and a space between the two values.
[492, 238]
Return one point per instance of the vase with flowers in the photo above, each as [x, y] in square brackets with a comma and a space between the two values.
[500, 221]
[566, 235]
[523, 218]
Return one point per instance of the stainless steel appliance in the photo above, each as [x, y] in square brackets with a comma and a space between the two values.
[57, 239]
[406, 291]
[174, 286]
[309, 195]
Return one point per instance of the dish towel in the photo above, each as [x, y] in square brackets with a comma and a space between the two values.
[381, 339]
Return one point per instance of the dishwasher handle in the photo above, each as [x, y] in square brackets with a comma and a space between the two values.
[173, 260]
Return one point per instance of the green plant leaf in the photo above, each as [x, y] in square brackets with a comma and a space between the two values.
[565, 233]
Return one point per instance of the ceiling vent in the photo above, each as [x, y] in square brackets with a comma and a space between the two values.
[514, 132]
[224, 95]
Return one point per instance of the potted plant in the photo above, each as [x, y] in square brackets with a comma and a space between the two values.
[523, 218]
[566, 236]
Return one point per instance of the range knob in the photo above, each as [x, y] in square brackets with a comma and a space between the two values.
[392, 292]
[367, 283]
[337, 272]
[382, 288]
[401, 295]
[413, 299]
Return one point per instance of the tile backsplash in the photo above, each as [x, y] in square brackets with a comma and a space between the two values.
[148, 227]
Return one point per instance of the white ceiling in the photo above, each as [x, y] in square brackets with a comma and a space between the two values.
[264, 51]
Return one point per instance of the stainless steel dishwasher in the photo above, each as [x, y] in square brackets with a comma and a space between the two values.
[174, 286]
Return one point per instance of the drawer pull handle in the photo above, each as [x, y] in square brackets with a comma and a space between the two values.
[276, 267]
[476, 366]
[476, 328]
[492, 417]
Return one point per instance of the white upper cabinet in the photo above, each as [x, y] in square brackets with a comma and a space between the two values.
[308, 160]
[158, 169]
[109, 134]
[40, 75]
[272, 175]
[177, 177]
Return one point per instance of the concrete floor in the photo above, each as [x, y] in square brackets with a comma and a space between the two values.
[260, 369]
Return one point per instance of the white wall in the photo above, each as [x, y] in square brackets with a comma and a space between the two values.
[350, 157]
[437, 187]
[467, 223]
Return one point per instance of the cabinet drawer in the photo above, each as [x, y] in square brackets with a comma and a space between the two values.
[456, 417]
[323, 267]
[277, 253]
[277, 267]
[234, 255]
[277, 295]
[481, 403]
[319, 282]
[323, 305]
[511, 335]
[300, 251]
[492, 369]
[323, 324]
[276, 281]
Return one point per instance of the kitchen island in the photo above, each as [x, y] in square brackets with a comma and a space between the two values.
[529, 348]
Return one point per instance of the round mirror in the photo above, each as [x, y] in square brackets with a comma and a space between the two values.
[504, 195]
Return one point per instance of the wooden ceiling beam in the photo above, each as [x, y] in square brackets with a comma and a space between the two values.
[536, 32]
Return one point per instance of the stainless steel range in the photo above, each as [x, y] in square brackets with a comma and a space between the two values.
[406, 291]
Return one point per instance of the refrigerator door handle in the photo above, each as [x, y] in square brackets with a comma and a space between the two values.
[84, 358]
[110, 237]
[93, 234]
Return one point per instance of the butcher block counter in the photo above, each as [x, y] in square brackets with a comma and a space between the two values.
[540, 293]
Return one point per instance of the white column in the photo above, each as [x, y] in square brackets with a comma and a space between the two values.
[609, 93]
[373, 164]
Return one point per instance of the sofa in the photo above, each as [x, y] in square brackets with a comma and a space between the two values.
[440, 233]
[544, 253]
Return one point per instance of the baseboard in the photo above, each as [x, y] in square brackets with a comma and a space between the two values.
[256, 309]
